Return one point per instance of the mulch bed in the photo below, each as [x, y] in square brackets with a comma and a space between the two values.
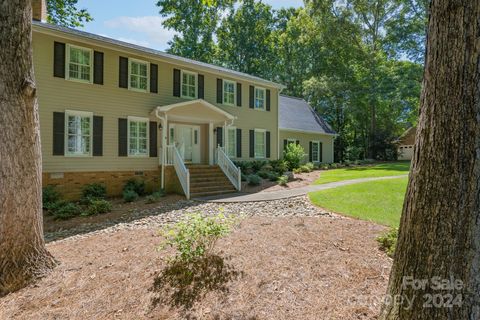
[324, 267]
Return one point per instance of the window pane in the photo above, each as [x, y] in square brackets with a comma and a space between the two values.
[232, 145]
[143, 70]
[78, 130]
[143, 83]
[259, 144]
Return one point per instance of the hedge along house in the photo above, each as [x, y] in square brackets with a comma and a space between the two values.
[300, 124]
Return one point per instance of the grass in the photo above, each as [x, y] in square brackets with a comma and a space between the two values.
[377, 201]
[378, 170]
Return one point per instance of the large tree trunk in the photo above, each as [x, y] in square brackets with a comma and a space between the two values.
[23, 256]
[440, 226]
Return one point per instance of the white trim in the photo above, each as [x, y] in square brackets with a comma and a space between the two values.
[201, 101]
[234, 92]
[81, 114]
[234, 141]
[264, 143]
[67, 63]
[308, 131]
[255, 88]
[195, 74]
[130, 60]
[138, 119]
[291, 140]
[318, 142]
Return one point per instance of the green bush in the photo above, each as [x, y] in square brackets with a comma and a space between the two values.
[264, 174]
[155, 197]
[97, 206]
[94, 191]
[245, 166]
[254, 180]
[129, 195]
[272, 176]
[195, 235]
[50, 196]
[63, 210]
[293, 155]
[279, 166]
[137, 185]
[388, 241]
[282, 180]
[244, 177]
[257, 165]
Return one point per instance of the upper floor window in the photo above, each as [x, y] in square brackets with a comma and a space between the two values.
[189, 85]
[260, 145]
[137, 136]
[231, 142]
[229, 92]
[79, 63]
[79, 133]
[259, 98]
[138, 75]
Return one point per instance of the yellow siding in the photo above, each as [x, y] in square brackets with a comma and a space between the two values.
[305, 138]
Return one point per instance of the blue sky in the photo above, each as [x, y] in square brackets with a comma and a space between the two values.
[138, 21]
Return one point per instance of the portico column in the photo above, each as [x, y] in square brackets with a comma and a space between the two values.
[211, 146]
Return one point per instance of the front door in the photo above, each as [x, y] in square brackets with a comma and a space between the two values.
[187, 140]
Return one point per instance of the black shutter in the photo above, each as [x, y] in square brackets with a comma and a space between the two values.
[321, 152]
[98, 67]
[201, 86]
[58, 133]
[59, 59]
[239, 143]
[123, 72]
[97, 136]
[239, 94]
[267, 137]
[153, 78]
[153, 139]
[252, 143]
[285, 142]
[298, 142]
[219, 91]
[268, 100]
[219, 137]
[310, 151]
[176, 83]
[122, 137]
[251, 97]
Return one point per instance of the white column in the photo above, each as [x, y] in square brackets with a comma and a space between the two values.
[164, 148]
[225, 135]
[211, 146]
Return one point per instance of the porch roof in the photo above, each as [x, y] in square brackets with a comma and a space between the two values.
[199, 111]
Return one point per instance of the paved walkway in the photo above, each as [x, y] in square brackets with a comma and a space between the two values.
[288, 193]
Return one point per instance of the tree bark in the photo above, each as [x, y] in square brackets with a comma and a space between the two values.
[440, 231]
[23, 256]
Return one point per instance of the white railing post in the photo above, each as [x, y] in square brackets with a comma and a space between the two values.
[229, 169]
[183, 173]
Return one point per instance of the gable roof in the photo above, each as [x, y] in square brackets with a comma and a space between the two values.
[297, 115]
[105, 41]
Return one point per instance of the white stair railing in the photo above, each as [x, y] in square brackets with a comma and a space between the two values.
[183, 173]
[233, 173]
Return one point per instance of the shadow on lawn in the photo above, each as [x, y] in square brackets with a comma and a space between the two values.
[182, 284]
[395, 166]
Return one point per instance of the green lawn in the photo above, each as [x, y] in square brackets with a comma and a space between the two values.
[379, 170]
[378, 201]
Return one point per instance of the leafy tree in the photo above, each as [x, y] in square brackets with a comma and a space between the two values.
[66, 13]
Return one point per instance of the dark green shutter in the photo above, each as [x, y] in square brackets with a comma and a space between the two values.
[97, 136]
[219, 137]
[58, 133]
[268, 100]
[153, 139]
[310, 151]
[251, 97]
[59, 59]
[98, 67]
[252, 143]
[267, 137]
[285, 142]
[321, 152]
[122, 137]
[219, 91]
[239, 143]
[239, 94]
[298, 142]
[153, 78]
[123, 72]
[176, 83]
[201, 86]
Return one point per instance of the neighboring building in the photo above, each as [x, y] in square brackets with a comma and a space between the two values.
[406, 143]
[300, 124]
[110, 111]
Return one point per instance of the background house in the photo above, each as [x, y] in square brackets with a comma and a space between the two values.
[406, 143]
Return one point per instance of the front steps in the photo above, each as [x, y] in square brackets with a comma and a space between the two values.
[206, 180]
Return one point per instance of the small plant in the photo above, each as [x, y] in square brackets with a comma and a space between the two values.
[282, 180]
[257, 165]
[155, 197]
[50, 196]
[244, 177]
[129, 195]
[94, 191]
[293, 154]
[97, 206]
[388, 241]
[272, 176]
[136, 185]
[264, 174]
[254, 180]
[279, 166]
[63, 210]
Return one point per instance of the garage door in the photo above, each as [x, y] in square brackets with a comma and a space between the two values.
[405, 152]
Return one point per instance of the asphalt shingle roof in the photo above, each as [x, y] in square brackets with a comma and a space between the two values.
[297, 114]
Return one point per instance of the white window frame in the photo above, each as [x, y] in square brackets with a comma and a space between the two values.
[138, 119]
[255, 98]
[130, 61]
[181, 84]
[67, 63]
[318, 150]
[234, 142]
[291, 140]
[234, 92]
[81, 114]
[264, 131]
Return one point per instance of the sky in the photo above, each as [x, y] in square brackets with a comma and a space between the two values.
[138, 21]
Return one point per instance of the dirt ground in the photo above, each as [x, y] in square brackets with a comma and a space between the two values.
[270, 268]
[300, 180]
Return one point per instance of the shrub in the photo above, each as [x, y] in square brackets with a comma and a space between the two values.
[254, 180]
[333, 165]
[263, 173]
[279, 166]
[63, 210]
[293, 154]
[324, 167]
[282, 180]
[50, 196]
[245, 166]
[195, 235]
[94, 191]
[137, 185]
[257, 165]
[272, 176]
[155, 197]
[129, 195]
[244, 177]
[97, 206]
[388, 241]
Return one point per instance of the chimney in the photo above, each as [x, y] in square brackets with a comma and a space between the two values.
[39, 10]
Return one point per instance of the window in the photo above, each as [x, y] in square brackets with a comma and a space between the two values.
[137, 136]
[79, 63]
[232, 142]
[229, 88]
[259, 98]
[138, 75]
[315, 151]
[290, 140]
[259, 143]
[78, 133]
[189, 85]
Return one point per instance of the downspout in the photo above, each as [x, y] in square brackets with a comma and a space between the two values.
[164, 145]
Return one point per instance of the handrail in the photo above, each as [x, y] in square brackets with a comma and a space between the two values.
[233, 173]
[183, 173]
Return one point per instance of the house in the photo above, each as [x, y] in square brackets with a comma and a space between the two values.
[110, 111]
[405, 144]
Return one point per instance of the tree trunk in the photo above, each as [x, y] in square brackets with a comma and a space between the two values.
[23, 256]
[440, 231]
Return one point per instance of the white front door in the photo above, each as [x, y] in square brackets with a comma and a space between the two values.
[187, 140]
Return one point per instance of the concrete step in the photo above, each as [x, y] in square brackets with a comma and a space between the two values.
[211, 189]
[198, 184]
[211, 193]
